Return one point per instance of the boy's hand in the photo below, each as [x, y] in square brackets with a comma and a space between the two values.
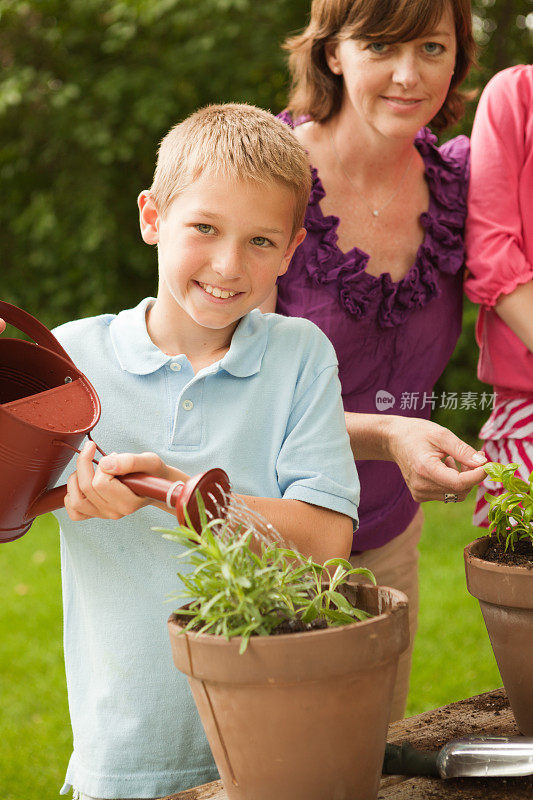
[93, 491]
[2, 325]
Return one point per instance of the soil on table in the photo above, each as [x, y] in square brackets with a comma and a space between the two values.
[455, 726]
[481, 789]
[521, 556]
[462, 719]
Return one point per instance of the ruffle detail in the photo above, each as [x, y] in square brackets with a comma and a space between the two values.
[441, 251]
[448, 172]
[318, 192]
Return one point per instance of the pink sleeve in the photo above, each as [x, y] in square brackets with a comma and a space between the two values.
[496, 258]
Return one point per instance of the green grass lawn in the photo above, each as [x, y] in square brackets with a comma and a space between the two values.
[452, 657]
[34, 724]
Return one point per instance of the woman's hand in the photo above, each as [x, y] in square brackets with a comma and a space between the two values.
[427, 454]
[93, 491]
[424, 451]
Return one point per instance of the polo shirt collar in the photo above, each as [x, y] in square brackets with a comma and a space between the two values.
[136, 353]
[133, 347]
[247, 347]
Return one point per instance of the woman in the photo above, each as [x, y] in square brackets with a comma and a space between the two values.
[499, 238]
[381, 269]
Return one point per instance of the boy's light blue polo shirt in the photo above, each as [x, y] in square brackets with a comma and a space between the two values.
[270, 414]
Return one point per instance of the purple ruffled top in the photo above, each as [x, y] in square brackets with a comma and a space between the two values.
[393, 339]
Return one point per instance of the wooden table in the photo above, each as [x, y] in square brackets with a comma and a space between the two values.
[485, 714]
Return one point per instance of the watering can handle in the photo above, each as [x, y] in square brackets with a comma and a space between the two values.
[177, 495]
[139, 482]
[27, 324]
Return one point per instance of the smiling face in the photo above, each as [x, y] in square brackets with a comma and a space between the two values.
[393, 89]
[221, 245]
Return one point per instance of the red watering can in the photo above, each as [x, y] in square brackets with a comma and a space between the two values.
[47, 407]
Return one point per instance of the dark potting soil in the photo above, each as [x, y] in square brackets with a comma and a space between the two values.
[287, 626]
[521, 556]
[297, 626]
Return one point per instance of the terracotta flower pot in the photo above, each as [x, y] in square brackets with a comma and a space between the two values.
[505, 595]
[300, 716]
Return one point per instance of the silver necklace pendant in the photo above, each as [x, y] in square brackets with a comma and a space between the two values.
[374, 211]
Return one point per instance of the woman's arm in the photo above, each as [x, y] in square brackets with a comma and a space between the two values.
[499, 273]
[516, 310]
[424, 451]
[94, 492]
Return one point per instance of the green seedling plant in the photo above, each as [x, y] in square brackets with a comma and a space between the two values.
[234, 591]
[510, 513]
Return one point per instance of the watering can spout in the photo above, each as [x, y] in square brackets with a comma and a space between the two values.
[49, 501]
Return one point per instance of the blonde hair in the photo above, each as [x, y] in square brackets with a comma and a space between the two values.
[235, 140]
[317, 92]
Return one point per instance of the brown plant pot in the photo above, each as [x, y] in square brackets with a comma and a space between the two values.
[300, 716]
[505, 595]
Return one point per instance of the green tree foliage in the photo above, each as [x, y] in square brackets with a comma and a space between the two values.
[87, 90]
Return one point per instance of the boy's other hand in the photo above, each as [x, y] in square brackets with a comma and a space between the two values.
[93, 491]
[2, 325]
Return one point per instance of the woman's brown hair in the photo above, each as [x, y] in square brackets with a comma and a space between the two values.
[317, 92]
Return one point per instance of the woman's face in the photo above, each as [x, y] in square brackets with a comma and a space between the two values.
[395, 89]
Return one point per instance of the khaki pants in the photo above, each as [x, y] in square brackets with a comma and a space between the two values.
[396, 565]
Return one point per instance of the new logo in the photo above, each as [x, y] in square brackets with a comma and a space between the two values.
[384, 400]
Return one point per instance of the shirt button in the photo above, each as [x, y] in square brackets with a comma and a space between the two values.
[175, 366]
[187, 405]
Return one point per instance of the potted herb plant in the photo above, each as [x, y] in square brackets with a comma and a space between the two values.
[499, 572]
[291, 667]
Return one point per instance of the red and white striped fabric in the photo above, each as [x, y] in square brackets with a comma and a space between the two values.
[508, 437]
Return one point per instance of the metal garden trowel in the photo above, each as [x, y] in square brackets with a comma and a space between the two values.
[470, 757]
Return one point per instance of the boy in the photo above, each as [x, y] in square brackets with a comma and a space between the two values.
[203, 378]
